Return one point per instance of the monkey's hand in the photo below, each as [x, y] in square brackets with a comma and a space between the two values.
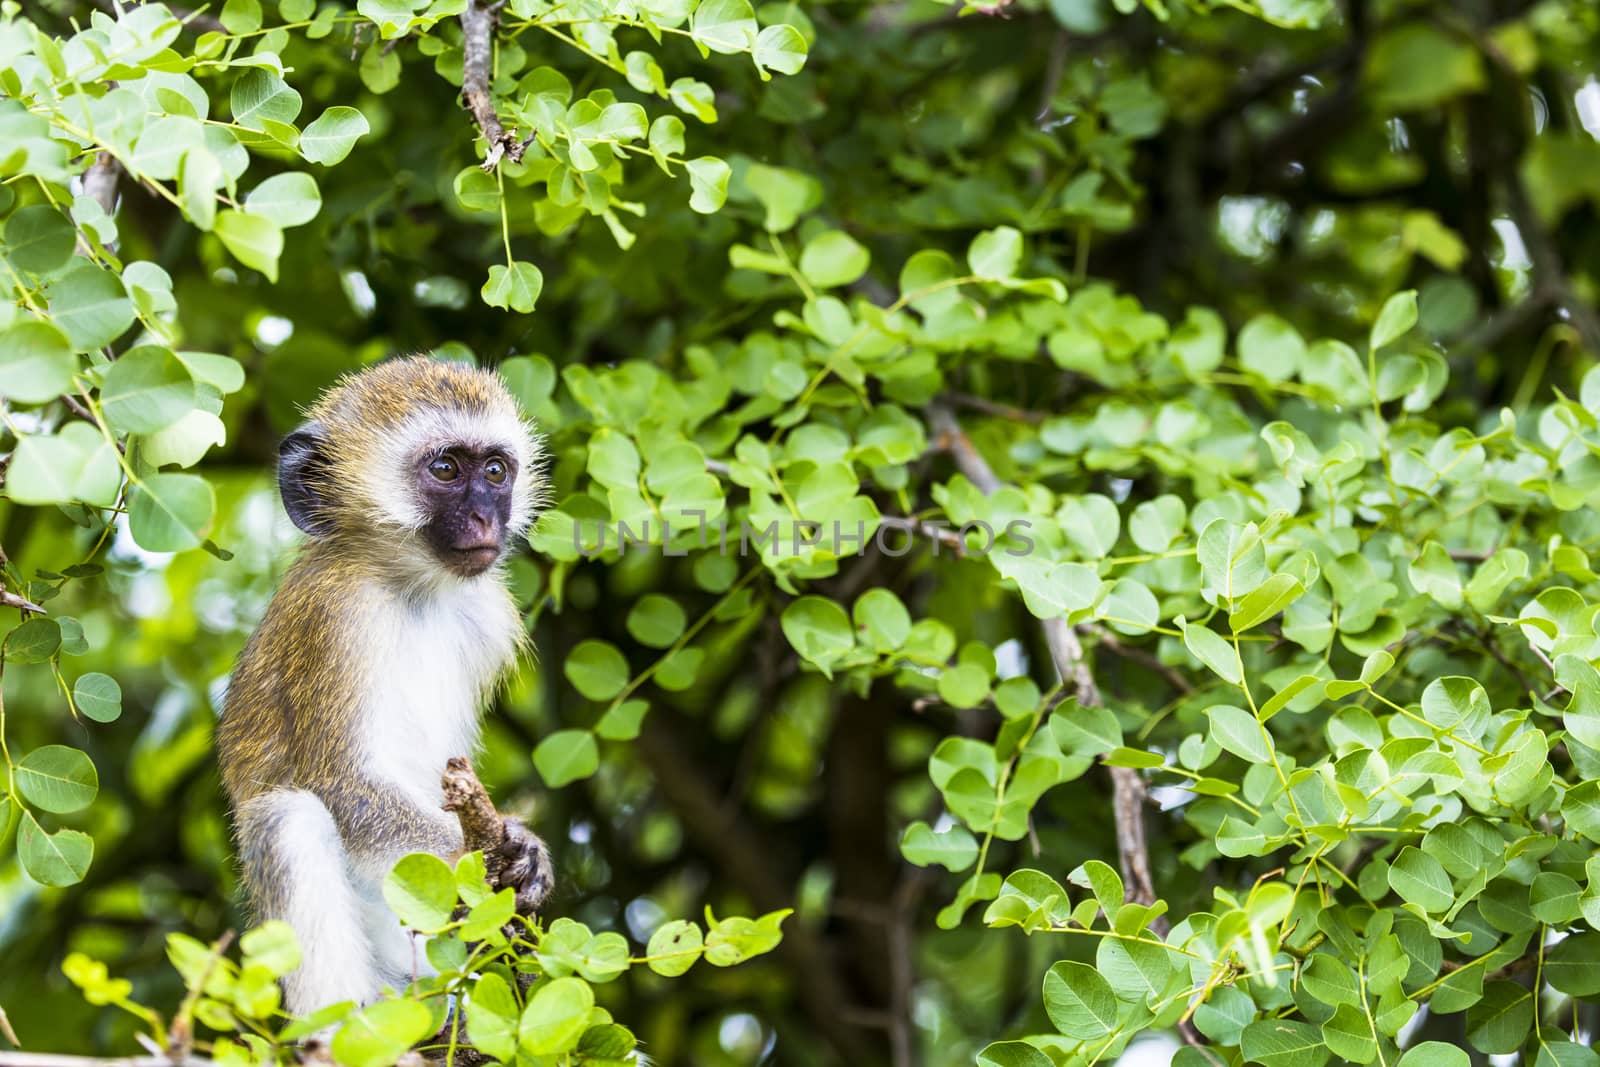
[525, 866]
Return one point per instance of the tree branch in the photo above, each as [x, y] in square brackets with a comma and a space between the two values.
[1066, 652]
[478, 23]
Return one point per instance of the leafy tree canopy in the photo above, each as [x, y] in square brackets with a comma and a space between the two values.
[1071, 522]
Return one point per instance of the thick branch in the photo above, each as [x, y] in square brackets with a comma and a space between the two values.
[482, 828]
[1128, 788]
[478, 23]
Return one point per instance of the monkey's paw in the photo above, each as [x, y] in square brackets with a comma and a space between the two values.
[527, 867]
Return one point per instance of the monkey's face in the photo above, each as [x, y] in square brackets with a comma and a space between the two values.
[466, 494]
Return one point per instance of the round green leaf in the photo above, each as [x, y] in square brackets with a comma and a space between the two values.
[656, 620]
[833, 258]
[147, 389]
[555, 1017]
[1079, 1001]
[98, 696]
[39, 238]
[289, 199]
[421, 891]
[255, 240]
[516, 287]
[171, 512]
[674, 947]
[333, 134]
[57, 859]
[58, 778]
[35, 641]
[381, 1033]
[596, 669]
[36, 362]
[566, 756]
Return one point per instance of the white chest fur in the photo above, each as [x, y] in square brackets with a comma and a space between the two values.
[434, 661]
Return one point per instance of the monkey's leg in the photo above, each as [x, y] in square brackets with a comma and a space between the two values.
[297, 870]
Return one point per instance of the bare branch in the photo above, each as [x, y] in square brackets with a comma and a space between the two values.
[482, 828]
[100, 181]
[1128, 788]
[477, 23]
[12, 600]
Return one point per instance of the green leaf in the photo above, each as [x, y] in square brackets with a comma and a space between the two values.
[674, 947]
[289, 199]
[98, 697]
[1421, 880]
[1271, 347]
[1434, 573]
[334, 133]
[1238, 731]
[1266, 600]
[781, 48]
[170, 512]
[954, 849]
[656, 620]
[254, 240]
[1435, 1054]
[35, 641]
[1283, 1043]
[819, 630]
[555, 1017]
[622, 722]
[260, 94]
[58, 859]
[492, 1017]
[421, 891]
[724, 26]
[381, 1033]
[1573, 966]
[147, 389]
[39, 238]
[1079, 1001]
[882, 618]
[1012, 1054]
[1398, 316]
[596, 669]
[995, 255]
[1499, 1023]
[91, 305]
[708, 183]
[36, 362]
[566, 756]
[515, 287]
[57, 778]
[833, 258]
[1211, 649]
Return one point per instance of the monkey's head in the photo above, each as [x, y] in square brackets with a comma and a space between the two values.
[430, 461]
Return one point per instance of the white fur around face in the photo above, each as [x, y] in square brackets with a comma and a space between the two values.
[426, 431]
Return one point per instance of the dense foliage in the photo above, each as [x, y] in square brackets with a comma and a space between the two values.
[1089, 504]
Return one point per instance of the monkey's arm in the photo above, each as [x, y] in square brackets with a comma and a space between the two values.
[381, 823]
[376, 819]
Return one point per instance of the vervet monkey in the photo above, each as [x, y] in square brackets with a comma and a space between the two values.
[374, 660]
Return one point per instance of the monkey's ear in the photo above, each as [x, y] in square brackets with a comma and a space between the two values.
[302, 471]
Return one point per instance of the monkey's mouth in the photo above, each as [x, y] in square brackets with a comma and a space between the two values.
[472, 559]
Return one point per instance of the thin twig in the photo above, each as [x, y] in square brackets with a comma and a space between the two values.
[477, 23]
[12, 600]
[1128, 788]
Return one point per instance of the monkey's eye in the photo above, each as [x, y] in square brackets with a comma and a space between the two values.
[495, 470]
[444, 469]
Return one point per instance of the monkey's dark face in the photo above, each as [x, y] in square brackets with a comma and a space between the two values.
[466, 493]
